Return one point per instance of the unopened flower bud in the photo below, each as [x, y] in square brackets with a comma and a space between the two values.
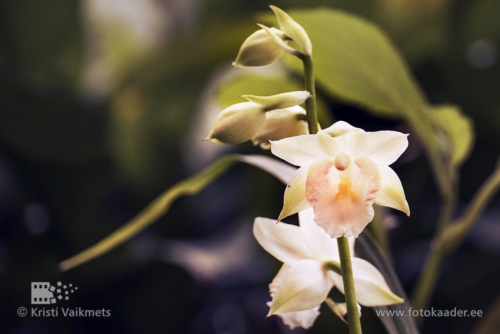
[260, 49]
[340, 309]
[237, 123]
[279, 101]
[293, 30]
[279, 124]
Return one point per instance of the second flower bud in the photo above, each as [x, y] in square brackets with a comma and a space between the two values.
[261, 119]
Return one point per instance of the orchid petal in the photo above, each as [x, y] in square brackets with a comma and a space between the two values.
[304, 150]
[295, 194]
[283, 241]
[391, 192]
[340, 128]
[260, 49]
[293, 30]
[237, 123]
[279, 101]
[383, 147]
[305, 286]
[278, 40]
[279, 124]
[281, 170]
[342, 200]
[305, 318]
[315, 237]
[371, 287]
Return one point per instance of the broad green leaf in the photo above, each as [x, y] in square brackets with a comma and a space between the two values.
[458, 130]
[356, 62]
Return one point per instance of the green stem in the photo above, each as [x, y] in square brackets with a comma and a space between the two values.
[349, 291]
[449, 238]
[448, 203]
[345, 257]
[312, 115]
[428, 278]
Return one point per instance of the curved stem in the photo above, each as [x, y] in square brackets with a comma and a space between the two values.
[448, 203]
[349, 291]
[449, 238]
[312, 115]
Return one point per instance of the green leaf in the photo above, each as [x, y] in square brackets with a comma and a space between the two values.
[458, 129]
[162, 203]
[152, 212]
[355, 62]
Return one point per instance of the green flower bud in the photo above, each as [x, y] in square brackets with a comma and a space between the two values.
[260, 49]
[237, 123]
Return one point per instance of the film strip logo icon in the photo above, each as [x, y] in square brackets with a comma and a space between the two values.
[46, 293]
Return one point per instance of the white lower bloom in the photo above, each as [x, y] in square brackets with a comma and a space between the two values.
[305, 281]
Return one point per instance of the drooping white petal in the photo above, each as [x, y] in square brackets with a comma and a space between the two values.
[281, 170]
[304, 150]
[383, 147]
[391, 192]
[279, 124]
[305, 286]
[283, 241]
[318, 241]
[295, 194]
[342, 200]
[278, 279]
[305, 318]
[371, 287]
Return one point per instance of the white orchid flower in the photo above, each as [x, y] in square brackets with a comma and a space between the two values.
[343, 172]
[309, 255]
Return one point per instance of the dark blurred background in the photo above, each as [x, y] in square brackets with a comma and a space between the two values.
[103, 105]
